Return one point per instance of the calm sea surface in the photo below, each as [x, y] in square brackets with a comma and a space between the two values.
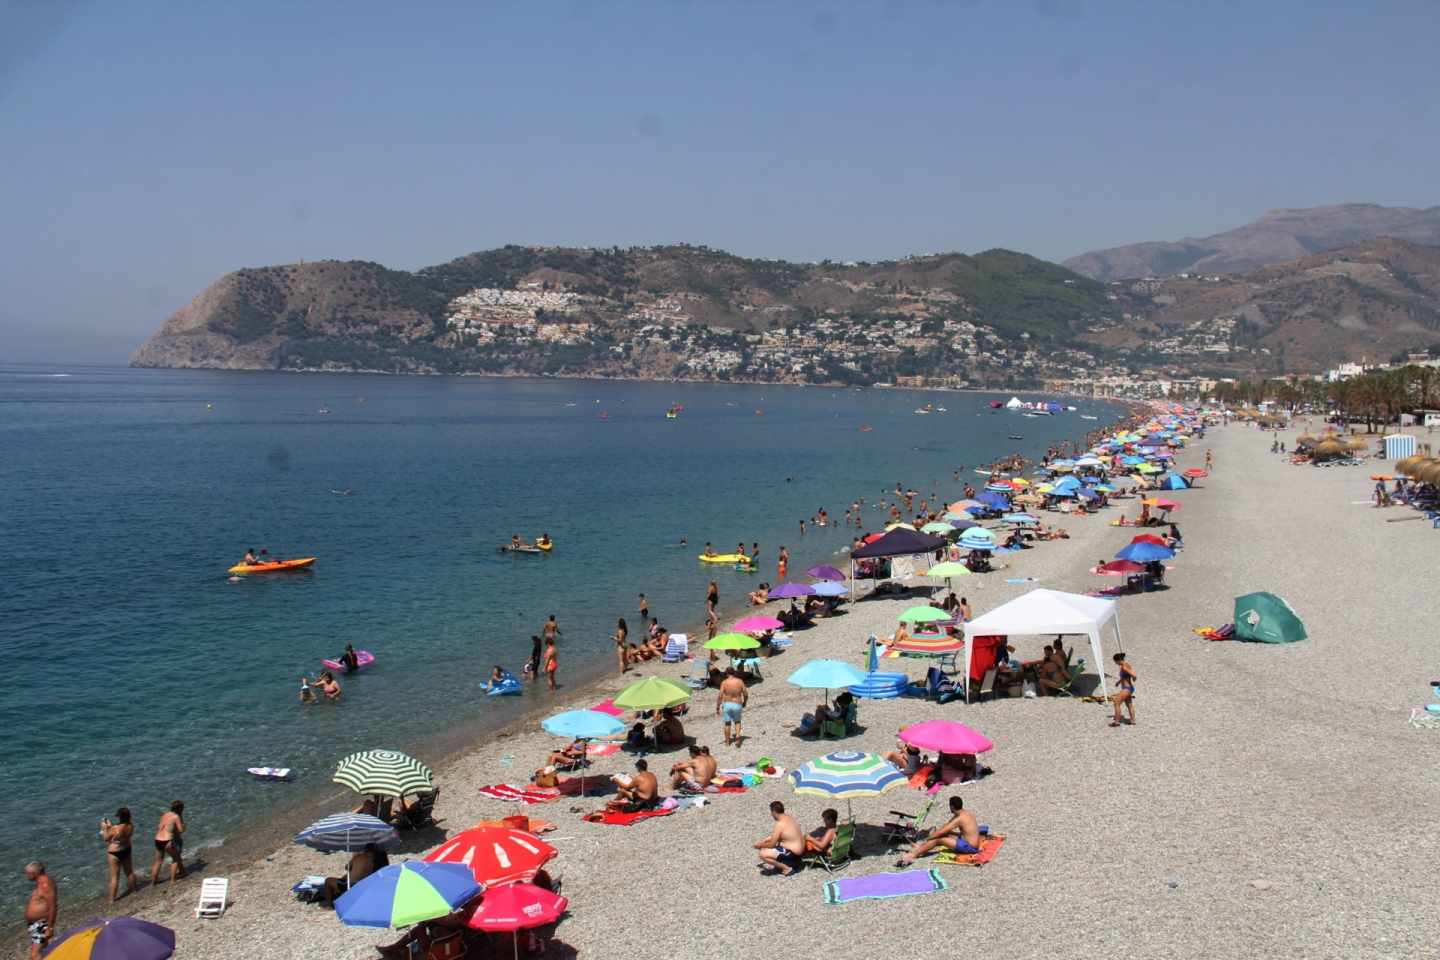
[138, 673]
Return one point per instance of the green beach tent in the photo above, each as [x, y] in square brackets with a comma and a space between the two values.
[1265, 618]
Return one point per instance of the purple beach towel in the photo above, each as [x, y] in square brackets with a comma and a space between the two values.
[883, 886]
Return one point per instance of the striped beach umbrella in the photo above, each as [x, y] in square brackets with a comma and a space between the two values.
[386, 773]
[117, 938]
[406, 893]
[495, 855]
[846, 775]
[346, 831]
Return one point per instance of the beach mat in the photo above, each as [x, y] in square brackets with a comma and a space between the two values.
[618, 819]
[608, 706]
[513, 794]
[885, 886]
[532, 825]
[989, 846]
[601, 749]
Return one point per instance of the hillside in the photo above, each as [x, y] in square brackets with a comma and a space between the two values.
[648, 312]
[1277, 237]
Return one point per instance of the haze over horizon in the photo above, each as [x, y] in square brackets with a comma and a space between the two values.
[149, 152]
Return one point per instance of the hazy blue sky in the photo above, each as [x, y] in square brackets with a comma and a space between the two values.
[150, 147]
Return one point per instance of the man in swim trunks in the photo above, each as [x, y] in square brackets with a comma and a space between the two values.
[731, 702]
[694, 774]
[41, 909]
[960, 833]
[781, 850]
[640, 792]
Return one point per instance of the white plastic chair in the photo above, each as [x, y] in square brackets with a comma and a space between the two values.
[214, 897]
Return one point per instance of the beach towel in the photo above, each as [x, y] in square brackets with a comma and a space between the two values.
[884, 886]
[608, 706]
[618, 819]
[989, 846]
[601, 749]
[746, 774]
[1211, 633]
[513, 794]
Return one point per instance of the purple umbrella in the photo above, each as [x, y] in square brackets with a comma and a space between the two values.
[786, 590]
[117, 938]
[824, 572]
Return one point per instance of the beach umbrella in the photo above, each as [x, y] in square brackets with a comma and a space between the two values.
[1159, 541]
[1162, 503]
[846, 775]
[945, 736]
[960, 506]
[346, 831]
[115, 938]
[1119, 568]
[924, 614]
[898, 526]
[948, 569]
[829, 588]
[1404, 464]
[519, 906]
[1020, 519]
[583, 724]
[1144, 553]
[825, 572]
[938, 527]
[495, 855]
[406, 893]
[384, 773]
[990, 498]
[757, 624]
[652, 693]
[826, 675]
[790, 590]
[959, 522]
[1266, 618]
[733, 641]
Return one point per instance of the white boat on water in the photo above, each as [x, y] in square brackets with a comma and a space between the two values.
[1086, 416]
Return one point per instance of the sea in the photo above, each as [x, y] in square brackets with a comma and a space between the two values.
[138, 671]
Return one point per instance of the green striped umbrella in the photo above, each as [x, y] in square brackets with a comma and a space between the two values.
[386, 773]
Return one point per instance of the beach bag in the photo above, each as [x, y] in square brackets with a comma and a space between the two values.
[1030, 690]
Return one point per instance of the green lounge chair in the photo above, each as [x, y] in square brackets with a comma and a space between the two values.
[840, 853]
[907, 825]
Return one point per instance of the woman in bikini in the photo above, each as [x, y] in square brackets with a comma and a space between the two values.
[118, 852]
[169, 840]
[1126, 692]
[622, 648]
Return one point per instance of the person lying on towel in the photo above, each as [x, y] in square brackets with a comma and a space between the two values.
[960, 833]
[640, 792]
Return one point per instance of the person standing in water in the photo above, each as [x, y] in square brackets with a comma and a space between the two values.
[169, 841]
[552, 663]
[783, 563]
[645, 609]
[537, 647]
[118, 852]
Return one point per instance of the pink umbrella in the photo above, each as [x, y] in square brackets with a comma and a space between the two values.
[757, 624]
[519, 906]
[945, 736]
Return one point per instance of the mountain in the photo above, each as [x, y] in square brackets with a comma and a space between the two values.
[665, 311]
[1373, 300]
[1278, 236]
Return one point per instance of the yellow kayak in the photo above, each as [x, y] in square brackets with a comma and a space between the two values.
[727, 558]
[546, 546]
[275, 567]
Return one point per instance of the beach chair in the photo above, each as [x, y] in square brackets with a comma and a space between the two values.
[842, 726]
[907, 825]
[214, 897]
[677, 649]
[840, 854]
[1066, 689]
[699, 676]
[419, 814]
[987, 685]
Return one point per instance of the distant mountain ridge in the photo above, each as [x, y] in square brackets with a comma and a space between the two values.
[1277, 237]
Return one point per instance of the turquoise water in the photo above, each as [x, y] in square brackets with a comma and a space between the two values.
[138, 673]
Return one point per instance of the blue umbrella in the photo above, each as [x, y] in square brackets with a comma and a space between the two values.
[406, 893]
[992, 499]
[1087, 493]
[846, 774]
[1068, 484]
[1145, 552]
[1019, 518]
[346, 831]
[827, 675]
[830, 588]
[1174, 482]
[582, 725]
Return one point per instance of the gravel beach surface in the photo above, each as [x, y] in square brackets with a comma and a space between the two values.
[1271, 801]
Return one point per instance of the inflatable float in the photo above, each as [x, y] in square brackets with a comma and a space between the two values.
[363, 659]
[735, 558]
[523, 548]
[882, 686]
[277, 566]
[269, 773]
[507, 686]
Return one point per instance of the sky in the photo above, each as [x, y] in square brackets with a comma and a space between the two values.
[147, 148]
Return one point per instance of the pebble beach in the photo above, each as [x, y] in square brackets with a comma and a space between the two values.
[1270, 801]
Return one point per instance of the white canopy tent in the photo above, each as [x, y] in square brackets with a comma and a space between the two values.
[1046, 611]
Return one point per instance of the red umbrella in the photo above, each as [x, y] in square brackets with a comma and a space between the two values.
[1119, 568]
[517, 907]
[1197, 472]
[495, 855]
[1150, 538]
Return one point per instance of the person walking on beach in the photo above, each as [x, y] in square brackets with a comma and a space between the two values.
[622, 651]
[731, 701]
[118, 853]
[42, 909]
[169, 840]
[1125, 692]
[1209, 460]
[552, 662]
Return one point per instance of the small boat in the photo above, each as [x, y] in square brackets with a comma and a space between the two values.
[1031, 414]
[275, 566]
[523, 548]
[1016, 436]
[269, 773]
[1086, 416]
[545, 545]
[363, 659]
[928, 408]
[323, 411]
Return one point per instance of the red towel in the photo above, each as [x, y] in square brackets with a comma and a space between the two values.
[514, 794]
[616, 818]
[989, 846]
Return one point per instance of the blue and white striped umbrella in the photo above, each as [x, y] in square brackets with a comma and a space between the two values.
[346, 831]
[846, 775]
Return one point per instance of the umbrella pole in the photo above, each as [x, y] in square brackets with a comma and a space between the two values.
[516, 935]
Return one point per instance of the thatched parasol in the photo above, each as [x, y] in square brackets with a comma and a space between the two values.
[1403, 465]
[1357, 444]
[1429, 473]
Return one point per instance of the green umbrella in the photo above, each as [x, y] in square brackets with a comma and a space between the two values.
[923, 614]
[386, 773]
[948, 569]
[938, 526]
[652, 693]
[733, 641]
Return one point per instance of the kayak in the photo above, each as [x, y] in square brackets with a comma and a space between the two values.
[363, 659]
[527, 548]
[546, 547]
[276, 566]
[727, 558]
